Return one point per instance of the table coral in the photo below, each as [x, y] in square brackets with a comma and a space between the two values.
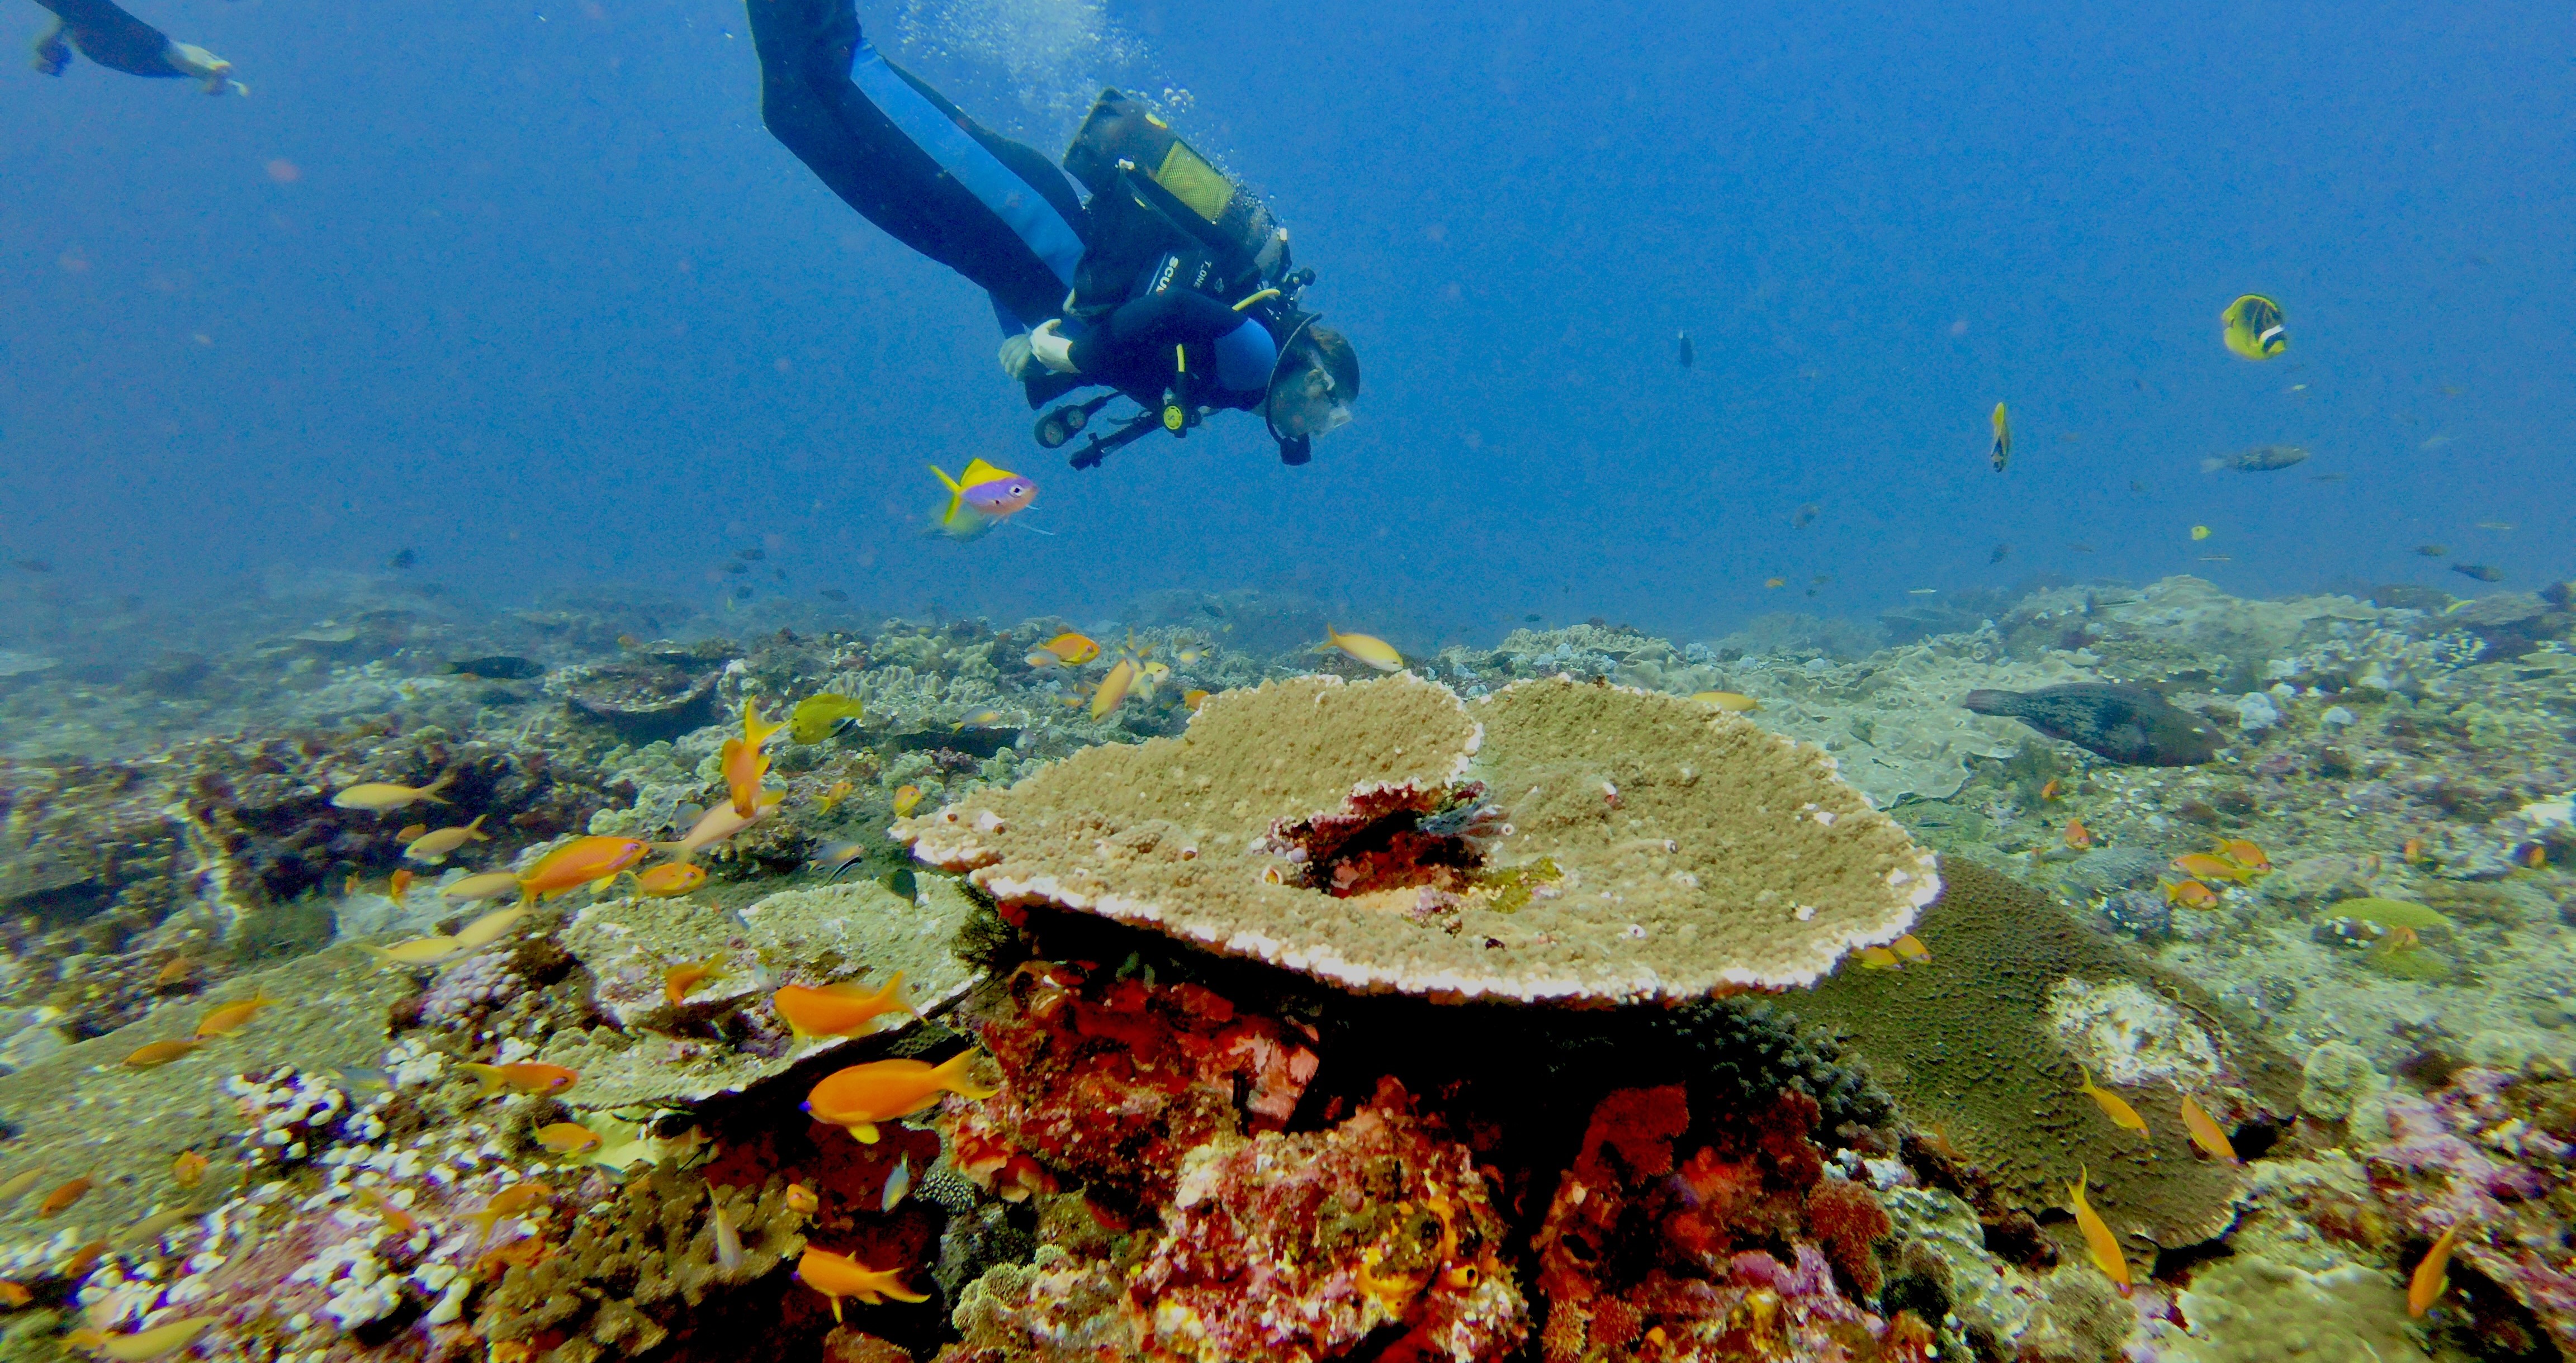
[1551, 841]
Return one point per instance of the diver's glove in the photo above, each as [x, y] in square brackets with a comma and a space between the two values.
[199, 64]
[1015, 357]
[52, 53]
[1051, 347]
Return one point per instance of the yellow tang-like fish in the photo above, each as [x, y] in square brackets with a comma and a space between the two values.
[2251, 326]
[818, 717]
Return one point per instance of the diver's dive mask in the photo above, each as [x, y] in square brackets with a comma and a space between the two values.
[1303, 401]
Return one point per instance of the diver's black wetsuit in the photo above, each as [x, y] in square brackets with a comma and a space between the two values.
[108, 36]
[991, 209]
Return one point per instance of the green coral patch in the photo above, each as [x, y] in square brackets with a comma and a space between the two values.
[2390, 913]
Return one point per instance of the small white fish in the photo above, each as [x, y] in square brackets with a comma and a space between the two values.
[899, 1182]
[2437, 442]
[728, 1240]
[1922, 591]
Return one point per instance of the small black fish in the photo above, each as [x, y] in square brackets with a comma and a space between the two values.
[2079, 547]
[2127, 724]
[2432, 550]
[2136, 486]
[779, 573]
[35, 565]
[737, 569]
[2002, 552]
[498, 667]
[1807, 514]
[2480, 571]
[1532, 618]
[751, 555]
[2327, 477]
[403, 558]
[833, 594]
[1687, 354]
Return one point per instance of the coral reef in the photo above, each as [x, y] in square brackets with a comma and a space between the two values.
[1608, 845]
[1986, 1046]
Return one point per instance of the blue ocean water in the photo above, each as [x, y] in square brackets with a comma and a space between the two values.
[526, 288]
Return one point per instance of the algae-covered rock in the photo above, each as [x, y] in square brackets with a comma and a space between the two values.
[820, 935]
[2252, 1309]
[2337, 1075]
[1987, 1042]
[83, 1111]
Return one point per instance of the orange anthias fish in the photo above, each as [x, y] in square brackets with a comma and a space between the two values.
[2190, 894]
[2432, 1275]
[232, 1017]
[2207, 1133]
[720, 823]
[189, 1168]
[2104, 1246]
[1113, 688]
[837, 1009]
[161, 1053]
[838, 1275]
[1192, 699]
[397, 1220]
[745, 764]
[2206, 867]
[863, 1095]
[61, 1199]
[399, 885]
[801, 1200]
[2413, 851]
[509, 1202]
[2077, 835]
[177, 971]
[1064, 650]
[2245, 852]
[670, 880]
[14, 1295]
[2114, 1106]
[2051, 790]
[680, 979]
[567, 1138]
[580, 862]
[528, 1076]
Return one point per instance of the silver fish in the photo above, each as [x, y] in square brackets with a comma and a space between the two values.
[899, 1182]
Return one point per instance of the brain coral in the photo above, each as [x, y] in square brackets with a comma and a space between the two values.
[1553, 841]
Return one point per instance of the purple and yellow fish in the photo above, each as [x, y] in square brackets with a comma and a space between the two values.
[980, 495]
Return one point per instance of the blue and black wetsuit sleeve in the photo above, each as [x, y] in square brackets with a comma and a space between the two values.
[113, 38]
[1131, 348]
[909, 161]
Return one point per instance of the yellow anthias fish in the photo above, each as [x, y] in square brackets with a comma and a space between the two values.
[1113, 688]
[744, 762]
[2432, 1275]
[1365, 648]
[720, 823]
[486, 930]
[2251, 326]
[2113, 1106]
[434, 847]
[232, 1017]
[582, 861]
[489, 885]
[818, 717]
[2207, 1133]
[2105, 1247]
[670, 880]
[2003, 437]
[418, 951]
[906, 799]
[384, 797]
[1734, 702]
[143, 1344]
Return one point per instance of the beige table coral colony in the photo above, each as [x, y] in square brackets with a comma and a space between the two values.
[1556, 841]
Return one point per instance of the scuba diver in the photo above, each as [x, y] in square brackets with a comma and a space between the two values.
[120, 42]
[1169, 285]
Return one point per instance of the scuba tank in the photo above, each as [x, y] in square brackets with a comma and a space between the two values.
[1164, 218]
